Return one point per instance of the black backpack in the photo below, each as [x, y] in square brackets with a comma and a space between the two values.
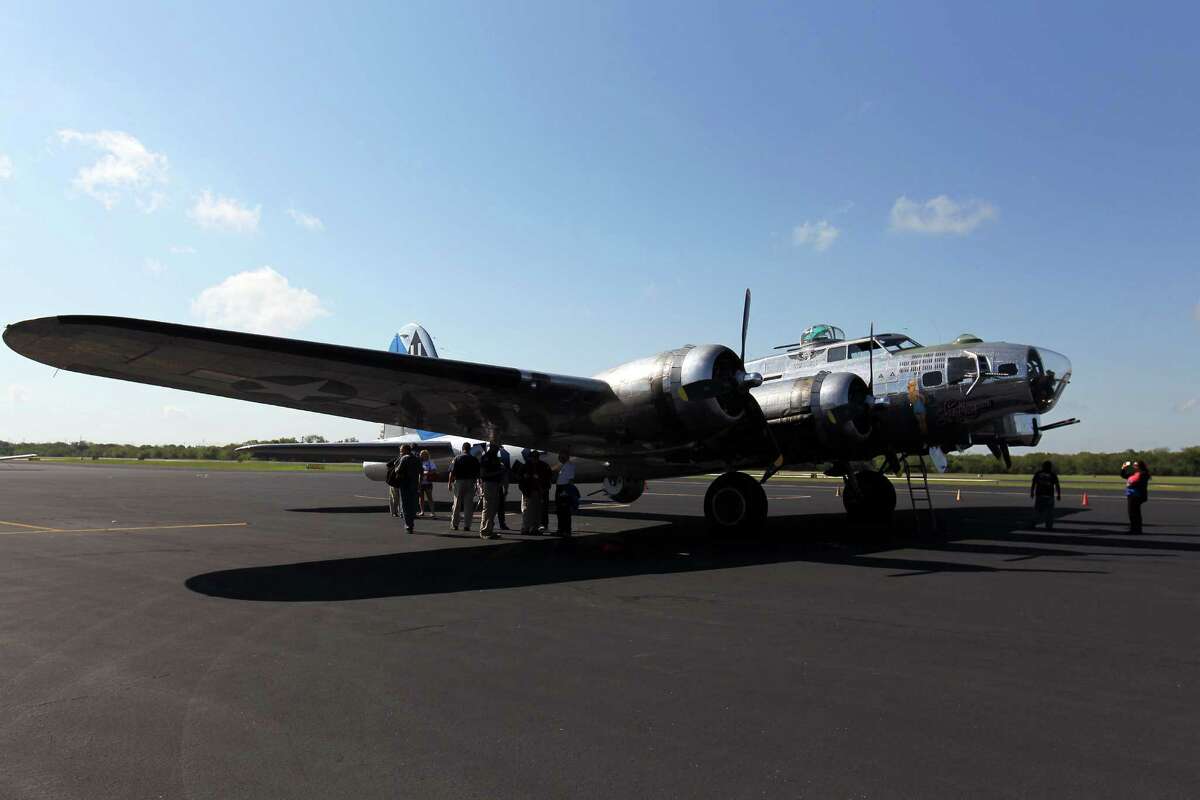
[393, 474]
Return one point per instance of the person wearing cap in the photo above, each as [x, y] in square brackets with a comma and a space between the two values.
[464, 473]
[534, 485]
[1137, 492]
[566, 495]
[1044, 489]
[491, 473]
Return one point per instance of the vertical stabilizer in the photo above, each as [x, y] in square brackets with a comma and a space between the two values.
[411, 340]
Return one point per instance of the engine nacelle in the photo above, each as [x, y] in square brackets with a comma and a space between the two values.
[375, 470]
[656, 405]
[841, 408]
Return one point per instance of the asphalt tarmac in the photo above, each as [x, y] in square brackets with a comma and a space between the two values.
[171, 633]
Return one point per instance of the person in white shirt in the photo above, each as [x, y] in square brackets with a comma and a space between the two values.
[565, 493]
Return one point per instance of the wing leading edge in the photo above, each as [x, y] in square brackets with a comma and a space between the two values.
[476, 400]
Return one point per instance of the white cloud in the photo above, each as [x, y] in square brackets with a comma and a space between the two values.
[6, 169]
[258, 301]
[183, 250]
[175, 412]
[126, 166]
[304, 220]
[153, 266]
[224, 213]
[820, 235]
[18, 394]
[1188, 405]
[940, 215]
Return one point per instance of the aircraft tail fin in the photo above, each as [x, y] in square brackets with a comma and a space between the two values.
[411, 340]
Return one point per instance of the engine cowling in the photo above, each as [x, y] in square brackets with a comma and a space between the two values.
[375, 470]
[836, 405]
[841, 407]
[679, 395]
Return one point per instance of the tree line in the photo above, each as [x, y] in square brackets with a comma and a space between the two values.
[207, 452]
[1162, 461]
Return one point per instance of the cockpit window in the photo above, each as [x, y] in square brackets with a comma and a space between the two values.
[895, 342]
[860, 349]
[836, 354]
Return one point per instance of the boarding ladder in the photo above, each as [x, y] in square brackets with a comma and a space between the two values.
[917, 478]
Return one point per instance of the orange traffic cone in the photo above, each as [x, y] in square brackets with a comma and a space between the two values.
[1085, 502]
[958, 496]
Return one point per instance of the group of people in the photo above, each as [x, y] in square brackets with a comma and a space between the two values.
[1045, 490]
[485, 480]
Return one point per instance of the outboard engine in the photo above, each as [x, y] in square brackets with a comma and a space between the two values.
[375, 470]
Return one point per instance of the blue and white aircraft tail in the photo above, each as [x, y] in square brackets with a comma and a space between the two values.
[411, 340]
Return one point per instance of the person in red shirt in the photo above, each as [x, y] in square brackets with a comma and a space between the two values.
[1137, 492]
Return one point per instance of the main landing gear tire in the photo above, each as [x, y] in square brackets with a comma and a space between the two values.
[735, 503]
[623, 490]
[875, 499]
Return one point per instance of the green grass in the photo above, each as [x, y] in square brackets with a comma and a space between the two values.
[1169, 483]
[211, 466]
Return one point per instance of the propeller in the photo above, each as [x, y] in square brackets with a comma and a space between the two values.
[745, 327]
[737, 381]
[871, 359]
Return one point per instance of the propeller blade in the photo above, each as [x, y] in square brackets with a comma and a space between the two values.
[871, 359]
[745, 326]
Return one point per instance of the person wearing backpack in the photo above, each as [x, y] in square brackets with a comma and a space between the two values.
[405, 480]
[393, 483]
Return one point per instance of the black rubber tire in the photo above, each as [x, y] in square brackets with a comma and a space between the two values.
[735, 503]
[631, 490]
[875, 501]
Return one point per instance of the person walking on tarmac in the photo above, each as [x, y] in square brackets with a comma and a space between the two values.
[506, 463]
[491, 473]
[408, 482]
[1137, 491]
[566, 495]
[425, 491]
[534, 485]
[393, 483]
[1044, 489]
[464, 472]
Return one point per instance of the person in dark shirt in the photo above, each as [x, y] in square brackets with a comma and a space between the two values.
[535, 486]
[464, 472]
[408, 482]
[491, 473]
[1044, 489]
[1137, 492]
[506, 461]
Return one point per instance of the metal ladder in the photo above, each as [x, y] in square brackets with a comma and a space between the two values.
[917, 478]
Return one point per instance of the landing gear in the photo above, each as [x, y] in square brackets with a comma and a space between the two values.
[869, 497]
[623, 490]
[735, 503]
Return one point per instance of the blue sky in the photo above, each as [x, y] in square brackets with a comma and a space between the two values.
[566, 187]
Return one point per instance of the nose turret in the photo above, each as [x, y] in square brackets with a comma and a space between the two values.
[1048, 374]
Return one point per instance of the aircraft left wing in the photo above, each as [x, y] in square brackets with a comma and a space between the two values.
[483, 401]
[14, 458]
[345, 451]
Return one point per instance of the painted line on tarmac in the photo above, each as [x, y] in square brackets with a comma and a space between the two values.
[44, 529]
[30, 527]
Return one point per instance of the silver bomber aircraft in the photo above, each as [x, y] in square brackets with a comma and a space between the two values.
[692, 410]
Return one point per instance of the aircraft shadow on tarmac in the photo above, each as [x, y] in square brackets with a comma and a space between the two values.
[682, 544]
